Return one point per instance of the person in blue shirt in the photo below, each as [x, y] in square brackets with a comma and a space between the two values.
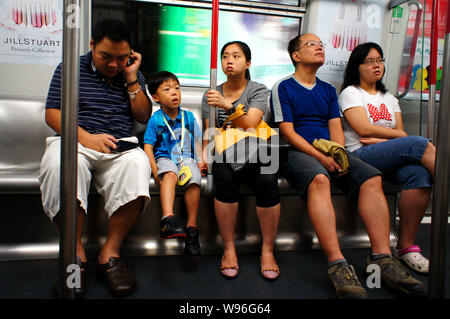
[306, 108]
[172, 142]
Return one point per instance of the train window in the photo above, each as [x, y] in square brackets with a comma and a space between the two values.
[178, 38]
[274, 2]
[286, 2]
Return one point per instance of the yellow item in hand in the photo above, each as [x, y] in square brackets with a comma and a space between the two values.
[184, 175]
[333, 149]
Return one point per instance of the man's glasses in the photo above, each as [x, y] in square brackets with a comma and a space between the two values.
[371, 61]
[312, 43]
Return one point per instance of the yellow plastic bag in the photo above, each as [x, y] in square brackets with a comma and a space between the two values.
[230, 136]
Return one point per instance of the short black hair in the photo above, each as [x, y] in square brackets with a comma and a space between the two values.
[159, 78]
[293, 46]
[114, 30]
[357, 57]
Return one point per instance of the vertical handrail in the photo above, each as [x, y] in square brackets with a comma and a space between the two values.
[439, 217]
[412, 51]
[432, 74]
[212, 86]
[69, 143]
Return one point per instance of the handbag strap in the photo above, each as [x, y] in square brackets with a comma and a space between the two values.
[239, 112]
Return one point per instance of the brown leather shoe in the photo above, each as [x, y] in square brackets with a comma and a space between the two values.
[118, 278]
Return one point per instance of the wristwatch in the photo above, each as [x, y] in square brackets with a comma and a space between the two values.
[231, 110]
[133, 94]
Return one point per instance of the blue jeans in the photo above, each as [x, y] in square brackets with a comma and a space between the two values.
[399, 160]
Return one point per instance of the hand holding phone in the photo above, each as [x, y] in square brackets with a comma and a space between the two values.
[132, 67]
[123, 146]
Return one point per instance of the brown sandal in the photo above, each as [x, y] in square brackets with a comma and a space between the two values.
[270, 273]
[229, 272]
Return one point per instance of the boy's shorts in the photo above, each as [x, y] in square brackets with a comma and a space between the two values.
[167, 165]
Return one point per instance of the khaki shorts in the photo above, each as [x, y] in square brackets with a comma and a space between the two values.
[167, 165]
[119, 177]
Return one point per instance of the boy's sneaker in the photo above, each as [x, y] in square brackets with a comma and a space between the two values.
[412, 256]
[345, 282]
[396, 276]
[192, 244]
[170, 228]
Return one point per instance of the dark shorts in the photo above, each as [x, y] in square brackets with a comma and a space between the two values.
[301, 168]
[227, 184]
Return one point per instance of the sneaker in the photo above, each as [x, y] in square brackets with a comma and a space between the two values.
[345, 282]
[170, 228]
[192, 245]
[396, 276]
[412, 256]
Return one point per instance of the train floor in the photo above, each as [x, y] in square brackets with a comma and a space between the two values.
[303, 276]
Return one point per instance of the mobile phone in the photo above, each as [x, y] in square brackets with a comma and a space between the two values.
[130, 60]
[123, 146]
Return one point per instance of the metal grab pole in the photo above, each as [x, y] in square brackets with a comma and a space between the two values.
[439, 219]
[212, 86]
[69, 143]
[432, 75]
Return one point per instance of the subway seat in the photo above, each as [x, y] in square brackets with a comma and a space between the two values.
[27, 233]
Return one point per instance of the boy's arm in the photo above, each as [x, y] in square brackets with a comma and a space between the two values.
[148, 149]
[201, 162]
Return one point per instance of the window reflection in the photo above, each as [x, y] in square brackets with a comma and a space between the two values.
[178, 39]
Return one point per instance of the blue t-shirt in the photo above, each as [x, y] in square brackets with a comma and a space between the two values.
[103, 107]
[158, 135]
[309, 109]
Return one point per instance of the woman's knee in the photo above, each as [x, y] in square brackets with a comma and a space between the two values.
[266, 189]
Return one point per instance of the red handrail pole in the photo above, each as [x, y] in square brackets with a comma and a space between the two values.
[214, 33]
[434, 43]
[433, 73]
[447, 31]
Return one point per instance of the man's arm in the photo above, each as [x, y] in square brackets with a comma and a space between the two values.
[336, 131]
[290, 136]
[98, 142]
[141, 106]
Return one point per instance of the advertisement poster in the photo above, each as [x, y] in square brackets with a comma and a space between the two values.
[421, 67]
[31, 31]
[342, 25]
